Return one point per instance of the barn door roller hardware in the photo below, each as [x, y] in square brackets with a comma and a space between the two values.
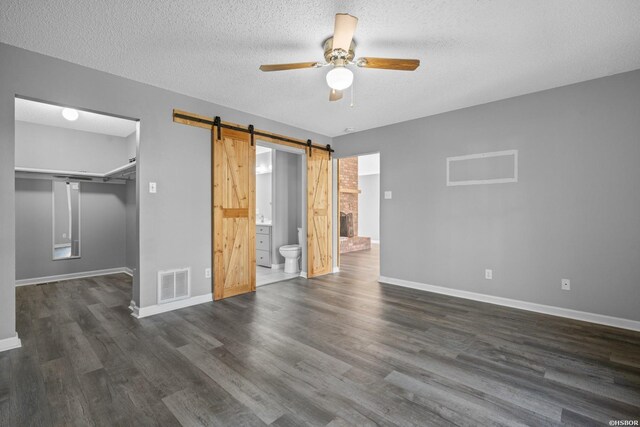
[216, 124]
[200, 121]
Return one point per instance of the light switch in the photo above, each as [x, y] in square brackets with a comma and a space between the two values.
[387, 194]
[152, 187]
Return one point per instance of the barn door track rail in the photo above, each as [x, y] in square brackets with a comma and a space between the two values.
[197, 120]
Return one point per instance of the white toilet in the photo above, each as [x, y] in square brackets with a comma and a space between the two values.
[291, 254]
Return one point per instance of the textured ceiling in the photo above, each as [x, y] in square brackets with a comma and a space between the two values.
[51, 115]
[472, 51]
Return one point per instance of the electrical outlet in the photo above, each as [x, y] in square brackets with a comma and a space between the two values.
[387, 195]
[488, 274]
[565, 284]
[207, 273]
[152, 187]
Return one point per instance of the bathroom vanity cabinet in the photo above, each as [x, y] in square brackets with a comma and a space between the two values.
[263, 245]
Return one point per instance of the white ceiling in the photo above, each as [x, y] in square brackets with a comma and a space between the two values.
[51, 115]
[472, 51]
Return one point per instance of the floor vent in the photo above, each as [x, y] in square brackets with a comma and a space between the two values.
[174, 285]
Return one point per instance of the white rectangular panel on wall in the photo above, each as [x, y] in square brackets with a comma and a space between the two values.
[497, 167]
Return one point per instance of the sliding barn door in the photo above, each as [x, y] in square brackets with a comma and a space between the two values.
[234, 198]
[319, 236]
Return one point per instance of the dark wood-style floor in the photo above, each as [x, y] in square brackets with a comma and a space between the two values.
[337, 350]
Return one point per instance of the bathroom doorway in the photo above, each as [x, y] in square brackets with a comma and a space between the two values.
[359, 214]
[280, 213]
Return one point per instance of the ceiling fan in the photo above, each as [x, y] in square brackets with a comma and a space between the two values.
[339, 52]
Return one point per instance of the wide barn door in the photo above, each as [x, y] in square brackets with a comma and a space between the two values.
[234, 198]
[319, 243]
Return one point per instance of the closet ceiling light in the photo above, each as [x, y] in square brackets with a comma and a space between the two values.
[70, 114]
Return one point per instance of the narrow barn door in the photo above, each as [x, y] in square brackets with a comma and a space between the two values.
[234, 198]
[319, 243]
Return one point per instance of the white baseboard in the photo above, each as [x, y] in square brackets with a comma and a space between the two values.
[277, 266]
[601, 319]
[303, 274]
[376, 242]
[10, 343]
[141, 312]
[80, 275]
[127, 270]
[336, 269]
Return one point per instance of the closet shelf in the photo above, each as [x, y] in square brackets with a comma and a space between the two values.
[121, 172]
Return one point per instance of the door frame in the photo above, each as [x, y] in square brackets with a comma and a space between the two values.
[303, 153]
[291, 147]
[336, 228]
[215, 125]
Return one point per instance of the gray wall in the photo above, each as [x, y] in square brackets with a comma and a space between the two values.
[575, 212]
[50, 147]
[369, 206]
[131, 226]
[287, 201]
[131, 144]
[175, 223]
[102, 229]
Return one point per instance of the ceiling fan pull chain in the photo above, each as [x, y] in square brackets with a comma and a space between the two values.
[353, 95]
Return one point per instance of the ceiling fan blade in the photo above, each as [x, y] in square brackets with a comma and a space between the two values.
[294, 66]
[343, 31]
[335, 95]
[389, 63]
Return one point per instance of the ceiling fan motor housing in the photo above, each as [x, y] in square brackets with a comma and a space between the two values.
[331, 55]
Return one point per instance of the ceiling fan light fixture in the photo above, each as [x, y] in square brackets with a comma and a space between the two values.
[339, 78]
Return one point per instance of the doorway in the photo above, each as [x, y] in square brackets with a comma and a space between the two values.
[280, 214]
[76, 201]
[233, 157]
[359, 214]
